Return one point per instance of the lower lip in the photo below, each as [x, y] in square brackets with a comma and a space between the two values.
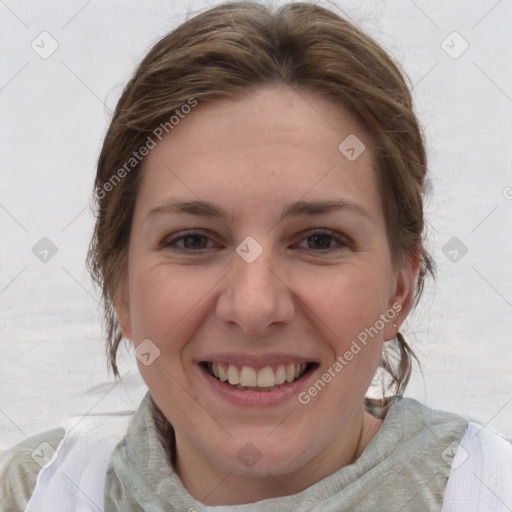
[277, 396]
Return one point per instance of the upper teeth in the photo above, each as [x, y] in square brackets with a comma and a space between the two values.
[250, 377]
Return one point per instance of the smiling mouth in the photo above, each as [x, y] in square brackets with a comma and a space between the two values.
[252, 379]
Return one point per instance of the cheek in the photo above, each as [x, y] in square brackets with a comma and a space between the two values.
[161, 300]
[166, 307]
[347, 300]
[346, 306]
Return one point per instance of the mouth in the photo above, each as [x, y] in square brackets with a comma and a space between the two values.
[247, 378]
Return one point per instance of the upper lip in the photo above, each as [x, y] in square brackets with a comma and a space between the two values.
[254, 361]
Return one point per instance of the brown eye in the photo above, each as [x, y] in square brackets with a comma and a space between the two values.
[320, 240]
[191, 241]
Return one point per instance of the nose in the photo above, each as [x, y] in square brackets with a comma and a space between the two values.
[256, 297]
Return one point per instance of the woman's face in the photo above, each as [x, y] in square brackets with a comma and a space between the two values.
[258, 277]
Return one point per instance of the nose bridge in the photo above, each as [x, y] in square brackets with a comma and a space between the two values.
[253, 278]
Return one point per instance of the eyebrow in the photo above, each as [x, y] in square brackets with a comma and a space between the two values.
[297, 209]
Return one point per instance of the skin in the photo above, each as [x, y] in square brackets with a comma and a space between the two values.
[252, 155]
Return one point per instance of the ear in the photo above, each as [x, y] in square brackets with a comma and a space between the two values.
[122, 307]
[401, 300]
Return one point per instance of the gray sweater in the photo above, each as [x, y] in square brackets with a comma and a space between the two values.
[403, 468]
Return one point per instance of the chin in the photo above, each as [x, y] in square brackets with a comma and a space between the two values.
[257, 455]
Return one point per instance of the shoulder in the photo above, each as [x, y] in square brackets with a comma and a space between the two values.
[481, 472]
[487, 445]
[448, 431]
[422, 425]
[81, 456]
[416, 442]
[20, 466]
[470, 464]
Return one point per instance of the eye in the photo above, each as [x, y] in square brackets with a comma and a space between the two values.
[192, 240]
[318, 240]
[321, 241]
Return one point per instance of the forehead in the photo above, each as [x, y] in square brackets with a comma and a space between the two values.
[269, 146]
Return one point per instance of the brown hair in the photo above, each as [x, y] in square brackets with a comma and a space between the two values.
[227, 50]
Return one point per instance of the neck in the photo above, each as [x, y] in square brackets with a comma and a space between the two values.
[214, 485]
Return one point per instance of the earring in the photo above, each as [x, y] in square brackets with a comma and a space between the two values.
[394, 325]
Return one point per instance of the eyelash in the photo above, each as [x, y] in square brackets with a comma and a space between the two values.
[170, 243]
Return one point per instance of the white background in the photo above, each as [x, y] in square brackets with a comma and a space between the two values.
[55, 112]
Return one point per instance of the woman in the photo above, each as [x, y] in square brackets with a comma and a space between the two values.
[259, 239]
